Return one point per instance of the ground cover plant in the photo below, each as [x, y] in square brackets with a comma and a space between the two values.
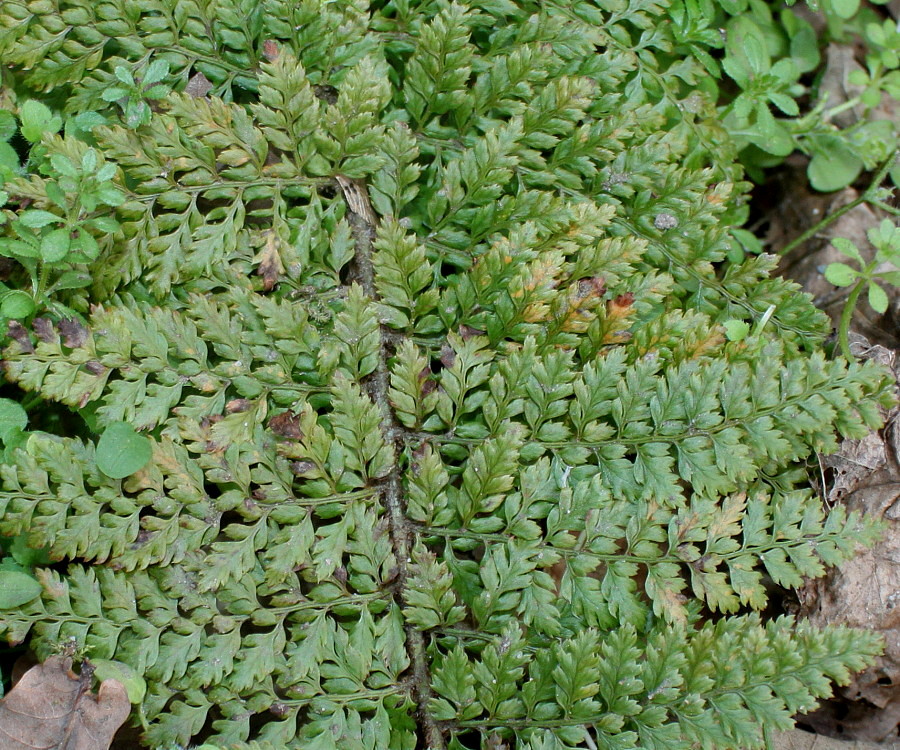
[399, 375]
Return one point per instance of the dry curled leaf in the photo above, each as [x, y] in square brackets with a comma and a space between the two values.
[51, 708]
[865, 592]
[797, 739]
[269, 258]
[74, 334]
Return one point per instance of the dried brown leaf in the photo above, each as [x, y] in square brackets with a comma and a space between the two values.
[796, 739]
[270, 266]
[43, 329]
[198, 86]
[864, 592]
[17, 332]
[286, 425]
[74, 334]
[52, 708]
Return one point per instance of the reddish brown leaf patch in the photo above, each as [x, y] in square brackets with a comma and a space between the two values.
[73, 333]
[270, 266]
[286, 425]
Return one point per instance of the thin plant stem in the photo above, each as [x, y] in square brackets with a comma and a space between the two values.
[846, 317]
[40, 289]
[838, 108]
[867, 196]
[892, 210]
[31, 401]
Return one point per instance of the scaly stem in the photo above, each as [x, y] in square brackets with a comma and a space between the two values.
[362, 221]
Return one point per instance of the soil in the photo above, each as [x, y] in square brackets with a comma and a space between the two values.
[864, 474]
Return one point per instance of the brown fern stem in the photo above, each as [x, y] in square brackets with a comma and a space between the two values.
[363, 222]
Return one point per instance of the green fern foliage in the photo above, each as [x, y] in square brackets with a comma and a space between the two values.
[419, 307]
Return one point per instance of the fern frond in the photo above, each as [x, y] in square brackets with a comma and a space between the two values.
[419, 310]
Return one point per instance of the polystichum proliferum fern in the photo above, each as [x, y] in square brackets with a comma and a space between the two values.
[421, 307]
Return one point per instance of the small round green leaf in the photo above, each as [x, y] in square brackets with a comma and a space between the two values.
[858, 77]
[785, 103]
[805, 47]
[37, 119]
[106, 669]
[886, 236]
[80, 126]
[840, 274]
[110, 196]
[17, 249]
[12, 440]
[156, 92]
[16, 304]
[12, 416]
[845, 8]
[121, 451]
[769, 134]
[17, 588]
[55, 193]
[89, 161]
[833, 169]
[55, 245]
[877, 298]
[26, 556]
[748, 241]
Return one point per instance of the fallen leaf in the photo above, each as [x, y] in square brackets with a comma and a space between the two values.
[52, 708]
[16, 588]
[797, 739]
[864, 592]
[198, 86]
[840, 62]
[796, 209]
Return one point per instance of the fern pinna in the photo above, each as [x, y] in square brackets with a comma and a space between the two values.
[420, 307]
